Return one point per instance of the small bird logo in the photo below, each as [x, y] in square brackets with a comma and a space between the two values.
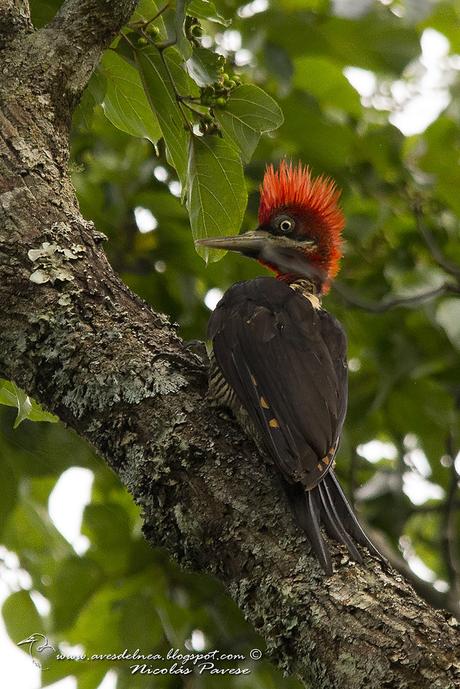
[38, 645]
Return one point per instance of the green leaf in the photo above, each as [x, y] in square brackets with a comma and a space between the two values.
[23, 404]
[440, 158]
[326, 82]
[183, 83]
[92, 677]
[376, 41]
[42, 11]
[217, 196]
[105, 607]
[323, 144]
[174, 20]
[204, 66]
[30, 532]
[249, 112]
[162, 98]
[57, 669]
[139, 623]
[108, 528]
[12, 396]
[448, 317]
[279, 65]
[93, 95]
[76, 579]
[146, 10]
[445, 19]
[424, 531]
[21, 617]
[8, 394]
[9, 488]
[125, 103]
[183, 44]
[203, 9]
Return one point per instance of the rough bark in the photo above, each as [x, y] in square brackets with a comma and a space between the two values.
[79, 341]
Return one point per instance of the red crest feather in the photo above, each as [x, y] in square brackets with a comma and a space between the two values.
[317, 198]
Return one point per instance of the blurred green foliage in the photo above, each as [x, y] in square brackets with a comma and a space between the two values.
[401, 200]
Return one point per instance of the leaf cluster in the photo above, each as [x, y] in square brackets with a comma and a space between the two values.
[158, 82]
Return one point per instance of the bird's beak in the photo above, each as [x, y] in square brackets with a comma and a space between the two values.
[282, 253]
[249, 243]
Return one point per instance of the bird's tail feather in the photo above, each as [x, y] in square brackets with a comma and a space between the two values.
[326, 504]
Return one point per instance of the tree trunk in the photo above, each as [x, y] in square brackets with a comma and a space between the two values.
[81, 343]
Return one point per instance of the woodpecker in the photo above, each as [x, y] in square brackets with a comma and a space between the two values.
[279, 360]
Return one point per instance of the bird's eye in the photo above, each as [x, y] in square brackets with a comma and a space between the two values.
[286, 225]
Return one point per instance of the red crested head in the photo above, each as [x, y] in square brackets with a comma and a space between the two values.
[300, 225]
[291, 194]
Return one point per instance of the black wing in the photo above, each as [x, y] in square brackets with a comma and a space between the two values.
[286, 362]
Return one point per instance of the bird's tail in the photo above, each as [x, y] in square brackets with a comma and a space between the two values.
[327, 505]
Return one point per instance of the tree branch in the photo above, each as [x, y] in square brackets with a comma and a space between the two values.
[58, 60]
[448, 536]
[82, 29]
[450, 267]
[438, 599]
[388, 303]
[14, 19]
[80, 342]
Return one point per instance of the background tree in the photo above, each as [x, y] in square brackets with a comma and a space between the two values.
[369, 92]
